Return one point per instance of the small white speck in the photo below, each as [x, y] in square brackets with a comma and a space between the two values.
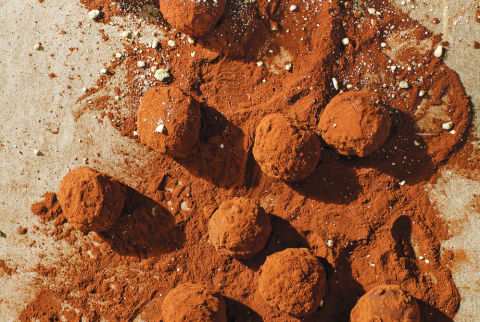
[421, 93]
[335, 83]
[103, 71]
[404, 84]
[171, 43]
[126, 34]
[94, 14]
[154, 44]
[288, 66]
[37, 152]
[161, 74]
[184, 206]
[371, 11]
[401, 183]
[345, 41]
[438, 51]
[141, 63]
[259, 63]
[293, 7]
[222, 146]
[329, 243]
[160, 126]
[447, 126]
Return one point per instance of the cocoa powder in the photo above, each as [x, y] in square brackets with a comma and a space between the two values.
[368, 219]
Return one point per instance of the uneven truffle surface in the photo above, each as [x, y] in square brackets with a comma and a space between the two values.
[91, 201]
[239, 228]
[168, 121]
[293, 281]
[355, 123]
[387, 303]
[285, 150]
[192, 17]
[193, 302]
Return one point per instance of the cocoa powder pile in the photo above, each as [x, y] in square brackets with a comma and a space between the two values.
[360, 218]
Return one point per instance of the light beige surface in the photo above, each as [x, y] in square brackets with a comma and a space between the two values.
[34, 105]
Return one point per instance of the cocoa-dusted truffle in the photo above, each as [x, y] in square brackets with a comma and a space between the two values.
[91, 201]
[168, 121]
[386, 303]
[192, 17]
[294, 281]
[239, 228]
[285, 150]
[193, 302]
[355, 123]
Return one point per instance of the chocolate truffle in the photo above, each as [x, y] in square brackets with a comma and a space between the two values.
[91, 201]
[168, 121]
[386, 303]
[293, 281]
[285, 150]
[193, 302]
[355, 123]
[192, 17]
[239, 228]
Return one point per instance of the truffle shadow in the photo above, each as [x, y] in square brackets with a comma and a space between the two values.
[405, 154]
[283, 236]
[221, 155]
[144, 228]
[333, 181]
[432, 314]
[239, 312]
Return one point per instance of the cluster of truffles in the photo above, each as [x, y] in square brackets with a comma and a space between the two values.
[192, 17]
[353, 123]
[292, 281]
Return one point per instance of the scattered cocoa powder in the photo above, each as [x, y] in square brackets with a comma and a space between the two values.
[5, 269]
[367, 219]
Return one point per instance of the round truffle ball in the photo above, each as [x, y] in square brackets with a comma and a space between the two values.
[192, 17]
[355, 123]
[91, 201]
[293, 281]
[168, 121]
[285, 150]
[386, 303]
[193, 302]
[239, 228]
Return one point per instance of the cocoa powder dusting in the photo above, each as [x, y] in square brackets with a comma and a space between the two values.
[369, 220]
